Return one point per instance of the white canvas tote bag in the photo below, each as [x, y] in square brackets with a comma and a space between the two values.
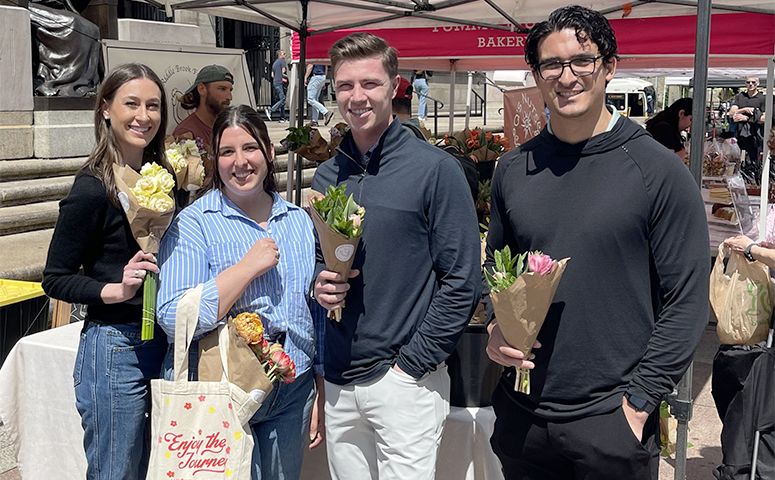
[199, 430]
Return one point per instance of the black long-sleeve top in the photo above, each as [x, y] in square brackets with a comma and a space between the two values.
[92, 232]
[633, 301]
[419, 258]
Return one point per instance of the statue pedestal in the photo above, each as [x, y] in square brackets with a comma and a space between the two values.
[16, 81]
[131, 30]
[64, 127]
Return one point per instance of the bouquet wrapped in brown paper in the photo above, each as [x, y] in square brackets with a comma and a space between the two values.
[338, 221]
[185, 157]
[149, 207]
[307, 142]
[337, 133]
[522, 289]
[478, 145]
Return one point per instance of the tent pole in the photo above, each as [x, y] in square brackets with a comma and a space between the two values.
[682, 406]
[452, 69]
[293, 84]
[468, 96]
[764, 199]
[303, 34]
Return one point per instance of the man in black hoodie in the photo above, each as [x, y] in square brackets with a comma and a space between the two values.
[633, 301]
[415, 285]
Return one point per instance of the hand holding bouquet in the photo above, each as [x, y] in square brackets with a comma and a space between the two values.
[339, 223]
[306, 142]
[277, 364]
[522, 289]
[149, 207]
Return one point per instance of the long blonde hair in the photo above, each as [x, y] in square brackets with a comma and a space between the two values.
[106, 152]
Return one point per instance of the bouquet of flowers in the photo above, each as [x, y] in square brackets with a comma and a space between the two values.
[337, 133]
[522, 289]
[149, 207]
[276, 363]
[480, 146]
[306, 142]
[339, 223]
[186, 159]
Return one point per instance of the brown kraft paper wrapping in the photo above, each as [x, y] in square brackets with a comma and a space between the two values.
[245, 371]
[147, 225]
[317, 150]
[521, 309]
[338, 250]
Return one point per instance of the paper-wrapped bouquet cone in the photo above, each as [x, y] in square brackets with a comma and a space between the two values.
[317, 150]
[338, 250]
[148, 226]
[191, 177]
[521, 310]
[484, 154]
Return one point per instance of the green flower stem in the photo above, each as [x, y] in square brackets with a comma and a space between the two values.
[150, 285]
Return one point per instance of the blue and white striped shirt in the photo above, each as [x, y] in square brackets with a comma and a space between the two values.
[213, 234]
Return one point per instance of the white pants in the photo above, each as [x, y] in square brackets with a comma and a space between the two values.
[387, 429]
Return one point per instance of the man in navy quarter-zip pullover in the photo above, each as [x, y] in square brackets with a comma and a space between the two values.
[415, 283]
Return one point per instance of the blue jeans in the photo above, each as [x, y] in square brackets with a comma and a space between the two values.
[112, 376]
[280, 105]
[280, 427]
[314, 86]
[421, 87]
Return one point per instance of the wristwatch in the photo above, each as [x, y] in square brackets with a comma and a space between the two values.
[747, 252]
[640, 404]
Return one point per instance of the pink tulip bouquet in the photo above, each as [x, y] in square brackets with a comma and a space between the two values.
[522, 289]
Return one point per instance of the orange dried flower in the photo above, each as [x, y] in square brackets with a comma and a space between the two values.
[250, 327]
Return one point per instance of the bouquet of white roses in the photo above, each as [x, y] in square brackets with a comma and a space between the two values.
[185, 158]
[522, 289]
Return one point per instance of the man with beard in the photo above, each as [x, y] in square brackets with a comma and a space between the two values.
[210, 93]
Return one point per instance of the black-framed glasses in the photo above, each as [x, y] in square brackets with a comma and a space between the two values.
[750, 83]
[580, 67]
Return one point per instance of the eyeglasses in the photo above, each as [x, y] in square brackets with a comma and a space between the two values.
[750, 83]
[580, 67]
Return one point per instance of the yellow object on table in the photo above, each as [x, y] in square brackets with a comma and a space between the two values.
[14, 291]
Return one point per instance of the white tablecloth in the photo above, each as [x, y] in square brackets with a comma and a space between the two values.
[37, 405]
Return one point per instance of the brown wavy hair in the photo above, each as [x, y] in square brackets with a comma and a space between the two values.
[106, 152]
[245, 117]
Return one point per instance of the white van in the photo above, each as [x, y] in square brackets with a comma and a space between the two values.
[629, 96]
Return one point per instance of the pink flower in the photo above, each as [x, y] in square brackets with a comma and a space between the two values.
[225, 424]
[540, 263]
[173, 423]
[356, 220]
[201, 398]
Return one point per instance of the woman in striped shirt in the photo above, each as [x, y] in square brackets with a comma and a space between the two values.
[252, 252]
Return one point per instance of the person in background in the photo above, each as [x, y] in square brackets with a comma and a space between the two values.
[420, 82]
[402, 108]
[279, 79]
[748, 113]
[667, 125]
[113, 367]
[314, 80]
[253, 252]
[415, 283]
[210, 93]
[632, 303]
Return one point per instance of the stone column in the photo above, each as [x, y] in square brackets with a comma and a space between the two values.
[16, 136]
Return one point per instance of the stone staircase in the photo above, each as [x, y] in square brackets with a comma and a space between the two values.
[30, 191]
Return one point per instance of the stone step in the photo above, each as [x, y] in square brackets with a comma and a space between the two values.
[19, 192]
[306, 179]
[24, 255]
[281, 163]
[25, 218]
[39, 168]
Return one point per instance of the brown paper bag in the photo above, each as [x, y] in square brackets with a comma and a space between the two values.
[147, 225]
[668, 430]
[742, 298]
[245, 371]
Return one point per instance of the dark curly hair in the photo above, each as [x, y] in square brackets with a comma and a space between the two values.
[588, 24]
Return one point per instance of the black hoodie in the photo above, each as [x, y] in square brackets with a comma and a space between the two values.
[633, 300]
[419, 258]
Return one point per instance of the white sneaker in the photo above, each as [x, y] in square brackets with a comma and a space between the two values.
[268, 114]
